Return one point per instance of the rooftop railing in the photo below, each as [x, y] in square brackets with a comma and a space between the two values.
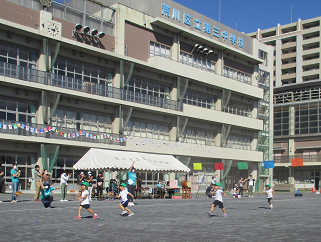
[52, 79]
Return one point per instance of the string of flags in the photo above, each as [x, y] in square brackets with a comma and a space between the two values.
[101, 136]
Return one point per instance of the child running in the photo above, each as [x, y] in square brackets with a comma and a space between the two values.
[124, 203]
[218, 199]
[270, 193]
[84, 201]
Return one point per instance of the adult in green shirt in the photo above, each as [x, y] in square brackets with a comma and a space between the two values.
[15, 182]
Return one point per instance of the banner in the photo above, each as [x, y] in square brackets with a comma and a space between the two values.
[243, 166]
[197, 166]
[219, 166]
[297, 162]
[268, 164]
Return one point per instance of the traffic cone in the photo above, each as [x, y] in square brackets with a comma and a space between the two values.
[312, 189]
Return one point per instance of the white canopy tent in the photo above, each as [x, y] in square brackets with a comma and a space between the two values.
[101, 159]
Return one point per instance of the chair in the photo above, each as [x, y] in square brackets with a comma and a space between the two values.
[18, 194]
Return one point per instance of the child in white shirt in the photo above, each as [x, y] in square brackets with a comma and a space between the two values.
[84, 201]
[124, 203]
[270, 193]
[218, 199]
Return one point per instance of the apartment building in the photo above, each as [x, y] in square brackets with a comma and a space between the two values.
[131, 76]
[296, 73]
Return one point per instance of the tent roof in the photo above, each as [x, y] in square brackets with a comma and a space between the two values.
[100, 159]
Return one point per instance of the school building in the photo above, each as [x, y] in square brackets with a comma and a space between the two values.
[296, 77]
[135, 76]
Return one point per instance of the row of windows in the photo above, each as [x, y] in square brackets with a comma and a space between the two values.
[194, 136]
[147, 130]
[199, 100]
[78, 120]
[239, 109]
[148, 87]
[237, 142]
[17, 111]
[18, 56]
[25, 165]
[83, 72]
[197, 62]
[307, 119]
[236, 75]
[156, 49]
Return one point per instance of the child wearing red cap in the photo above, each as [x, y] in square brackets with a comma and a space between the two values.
[123, 194]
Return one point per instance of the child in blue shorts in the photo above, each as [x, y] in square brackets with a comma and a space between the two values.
[124, 203]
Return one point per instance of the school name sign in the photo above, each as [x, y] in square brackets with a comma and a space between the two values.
[206, 27]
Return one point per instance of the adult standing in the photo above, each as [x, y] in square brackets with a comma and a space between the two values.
[241, 184]
[251, 181]
[38, 183]
[46, 176]
[15, 182]
[63, 186]
[131, 184]
[89, 179]
[2, 182]
[80, 180]
[100, 185]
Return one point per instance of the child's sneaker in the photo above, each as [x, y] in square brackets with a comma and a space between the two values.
[95, 216]
[124, 212]
[210, 213]
[131, 214]
[61, 200]
[225, 214]
[78, 217]
[271, 206]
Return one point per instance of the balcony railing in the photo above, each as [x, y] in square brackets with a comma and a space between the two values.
[38, 130]
[306, 158]
[52, 79]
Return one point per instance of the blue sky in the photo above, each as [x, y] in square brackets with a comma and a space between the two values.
[253, 14]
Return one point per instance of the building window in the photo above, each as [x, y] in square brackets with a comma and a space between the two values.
[86, 73]
[263, 55]
[239, 109]
[18, 56]
[307, 118]
[148, 87]
[264, 78]
[201, 137]
[73, 120]
[156, 49]
[26, 163]
[197, 62]
[13, 110]
[281, 121]
[143, 129]
[200, 100]
[236, 75]
[239, 142]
